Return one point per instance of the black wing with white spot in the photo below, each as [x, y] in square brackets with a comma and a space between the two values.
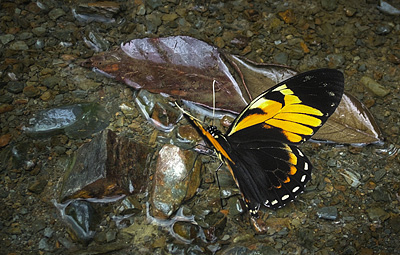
[270, 174]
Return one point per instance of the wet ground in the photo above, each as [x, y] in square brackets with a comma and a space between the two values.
[351, 206]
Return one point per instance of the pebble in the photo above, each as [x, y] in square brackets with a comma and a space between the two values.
[374, 86]
[329, 5]
[6, 38]
[56, 13]
[19, 45]
[328, 213]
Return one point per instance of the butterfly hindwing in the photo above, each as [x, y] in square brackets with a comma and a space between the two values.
[291, 111]
[270, 174]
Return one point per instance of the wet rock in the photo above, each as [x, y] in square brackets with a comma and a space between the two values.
[328, 213]
[387, 8]
[377, 213]
[56, 13]
[76, 121]
[281, 58]
[335, 60]
[108, 166]
[329, 5]
[39, 31]
[82, 219]
[51, 81]
[15, 87]
[176, 179]
[383, 29]
[5, 140]
[6, 38]
[186, 230]
[38, 186]
[31, 91]
[19, 45]
[374, 86]
[44, 245]
[155, 108]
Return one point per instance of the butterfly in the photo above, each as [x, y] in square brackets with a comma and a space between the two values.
[260, 147]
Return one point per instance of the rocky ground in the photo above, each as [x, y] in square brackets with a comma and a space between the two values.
[350, 207]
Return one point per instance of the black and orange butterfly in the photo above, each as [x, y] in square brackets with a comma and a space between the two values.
[259, 147]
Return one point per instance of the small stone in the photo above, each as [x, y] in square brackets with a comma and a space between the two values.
[48, 232]
[288, 16]
[335, 60]
[44, 245]
[281, 58]
[46, 96]
[19, 45]
[329, 5]
[38, 186]
[169, 17]
[377, 213]
[374, 86]
[6, 38]
[51, 81]
[56, 13]
[31, 91]
[328, 213]
[15, 87]
[5, 140]
[39, 31]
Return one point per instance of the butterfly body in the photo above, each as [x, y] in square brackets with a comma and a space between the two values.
[259, 147]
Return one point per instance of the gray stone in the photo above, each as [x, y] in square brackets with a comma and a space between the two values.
[56, 13]
[6, 38]
[329, 5]
[39, 31]
[19, 45]
[328, 213]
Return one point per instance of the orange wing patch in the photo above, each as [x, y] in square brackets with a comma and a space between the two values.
[213, 141]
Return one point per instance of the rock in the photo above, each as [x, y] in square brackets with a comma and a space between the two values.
[5, 140]
[15, 87]
[51, 81]
[176, 179]
[19, 45]
[56, 13]
[38, 186]
[328, 213]
[281, 58]
[109, 165]
[31, 91]
[377, 213]
[39, 31]
[82, 219]
[329, 5]
[374, 86]
[4, 39]
[76, 121]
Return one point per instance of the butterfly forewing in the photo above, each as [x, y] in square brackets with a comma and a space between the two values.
[291, 111]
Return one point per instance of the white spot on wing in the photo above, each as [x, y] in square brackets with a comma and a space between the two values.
[300, 153]
[305, 166]
[285, 197]
[295, 189]
[274, 202]
[303, 178]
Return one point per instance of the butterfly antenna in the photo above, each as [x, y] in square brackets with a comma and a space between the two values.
[213, 115]
[187, 113]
